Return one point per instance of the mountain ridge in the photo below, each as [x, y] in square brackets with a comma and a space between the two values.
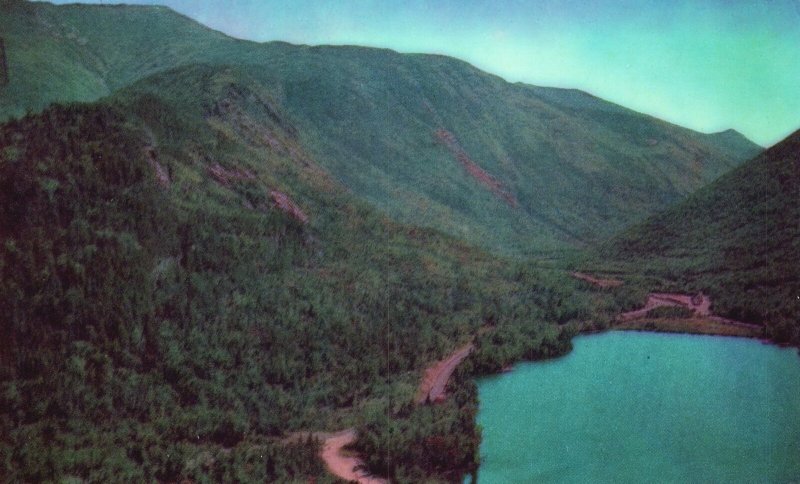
[234, 245]
[578, 167]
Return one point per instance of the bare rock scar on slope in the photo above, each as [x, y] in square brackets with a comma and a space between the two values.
[473, 169]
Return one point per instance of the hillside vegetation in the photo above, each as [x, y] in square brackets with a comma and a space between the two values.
[183, 285]
[209, 247]
[737, 239]
[430, 140]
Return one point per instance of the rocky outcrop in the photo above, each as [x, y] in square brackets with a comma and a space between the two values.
[162, 175]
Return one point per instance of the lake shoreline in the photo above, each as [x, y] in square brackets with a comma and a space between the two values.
[608, 332]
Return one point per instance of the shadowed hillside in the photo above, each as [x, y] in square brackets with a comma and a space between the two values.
[737, 239]
[524, 169]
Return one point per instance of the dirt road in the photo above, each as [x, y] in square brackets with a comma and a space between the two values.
[342, 464]
[431, 389]
[699, 304]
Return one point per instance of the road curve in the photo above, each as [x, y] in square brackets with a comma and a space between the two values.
[342, 465]
[431, 388]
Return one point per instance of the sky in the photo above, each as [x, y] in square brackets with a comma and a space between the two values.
[708, 65]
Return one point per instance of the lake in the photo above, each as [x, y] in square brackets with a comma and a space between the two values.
[644, 407]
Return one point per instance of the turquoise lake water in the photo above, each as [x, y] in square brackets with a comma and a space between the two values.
[645, 407]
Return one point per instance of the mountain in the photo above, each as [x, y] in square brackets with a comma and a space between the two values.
[184, 286]
[737, 239]
[430, 140]
[81, 52]
[226, 244]
[731, 142]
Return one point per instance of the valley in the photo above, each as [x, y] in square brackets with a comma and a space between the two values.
[429, 140]
[231, 261]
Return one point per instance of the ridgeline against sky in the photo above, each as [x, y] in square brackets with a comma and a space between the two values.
[708, 65]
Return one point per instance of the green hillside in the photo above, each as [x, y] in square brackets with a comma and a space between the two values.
[183, 286]
[81, 53]
[576, 168]
[209, 245]
[428, 139]
[737, 239]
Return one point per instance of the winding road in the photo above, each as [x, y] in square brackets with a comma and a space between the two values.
[431, 390]
[343, 465]
[434, 382]
[699, 304]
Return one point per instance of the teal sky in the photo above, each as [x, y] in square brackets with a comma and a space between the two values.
[708, 65]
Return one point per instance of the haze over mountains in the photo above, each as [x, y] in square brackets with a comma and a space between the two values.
[429, 139]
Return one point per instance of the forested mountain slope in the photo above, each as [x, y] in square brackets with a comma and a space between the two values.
[236, 241]
[737, 239]
[182, 285]
[429, 139]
